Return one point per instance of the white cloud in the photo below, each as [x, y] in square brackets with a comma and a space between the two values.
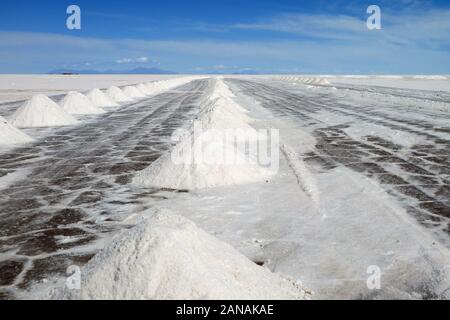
[420, 28]
[129, 60]
[124, 60]
[142, 59]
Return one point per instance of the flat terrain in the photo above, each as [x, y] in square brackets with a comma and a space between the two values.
[19, 87]
[379, 158]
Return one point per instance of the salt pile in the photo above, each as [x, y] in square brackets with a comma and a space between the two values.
[210, 155]
[222, 90]
[133, 92]
[167, 257]
[77, 103]
[11, 135]
[118, 95]
[232, 106]
[156, 87]
[307, 80]
[41, 111]
[143, 88]
[222, 114]
[205, 162]
[100, 99]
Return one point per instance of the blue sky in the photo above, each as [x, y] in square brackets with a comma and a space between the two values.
[268, 36]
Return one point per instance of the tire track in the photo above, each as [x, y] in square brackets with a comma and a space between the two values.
[419, 177]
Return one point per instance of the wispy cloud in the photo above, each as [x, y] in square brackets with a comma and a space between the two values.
[417, 42]
[130, 60]
[336, 27]
[418, 28]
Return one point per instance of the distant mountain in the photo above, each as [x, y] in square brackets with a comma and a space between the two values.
[132, 71]
[250, 72]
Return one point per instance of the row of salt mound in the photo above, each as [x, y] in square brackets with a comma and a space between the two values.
[100, 99]
[133, 92]
[77, 103]
[41, 111]
[143, 88]
[118, 95]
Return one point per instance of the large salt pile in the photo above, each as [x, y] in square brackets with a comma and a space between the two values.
[167, 257]
[41, 111]
[77, 103]
[100, 99]
[211, 155]
[118, 95]
[204, 162]
[232, 106]
[223, 113]
[133, 92]
[11, 135]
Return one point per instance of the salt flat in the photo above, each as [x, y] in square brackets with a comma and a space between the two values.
[364, 180]
[20, 87]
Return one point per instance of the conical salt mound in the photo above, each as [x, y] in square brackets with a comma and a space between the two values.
[11, 135]
[77, 103]
[41, 111]
[99, 99]
[153, 88]
[222, 90]
[118, 95]
[142, 88]
[168, 257]
[133, 92]
[202, 160]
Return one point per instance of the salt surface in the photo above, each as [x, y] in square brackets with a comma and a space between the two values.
[118, 95]
[100, 99]
[11, 135]
[77, 103]
[168, 257]
[41, 111]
